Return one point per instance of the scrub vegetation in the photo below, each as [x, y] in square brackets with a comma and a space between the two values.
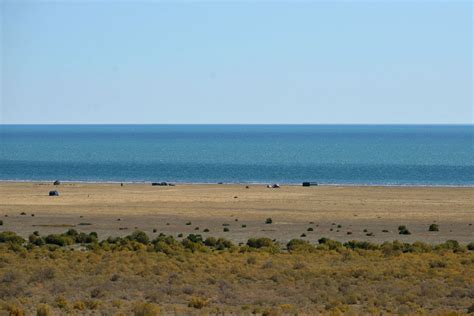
[76, 273]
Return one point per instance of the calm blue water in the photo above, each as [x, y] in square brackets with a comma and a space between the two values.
[331, 154]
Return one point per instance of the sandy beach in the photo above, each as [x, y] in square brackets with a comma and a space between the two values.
[367, 213]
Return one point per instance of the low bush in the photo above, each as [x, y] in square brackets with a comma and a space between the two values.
[327, 243]
[403, 230]
[59, 239]
[299, 245]
[36, 240]
[139, 236]
[260, 242]
[433, 228]
[11, 237]
[268, 221]
[353, 244]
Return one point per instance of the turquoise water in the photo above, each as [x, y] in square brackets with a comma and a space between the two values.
[330, 154]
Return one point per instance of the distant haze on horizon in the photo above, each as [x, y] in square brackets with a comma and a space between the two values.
[378, 62]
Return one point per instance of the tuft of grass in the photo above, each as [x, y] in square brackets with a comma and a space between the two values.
[198, 302]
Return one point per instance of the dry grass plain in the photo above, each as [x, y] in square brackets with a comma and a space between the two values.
[152, 277]
[112, 210]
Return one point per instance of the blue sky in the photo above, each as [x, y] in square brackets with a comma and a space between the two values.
[236, 62]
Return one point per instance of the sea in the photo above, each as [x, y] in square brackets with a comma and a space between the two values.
[420, 155]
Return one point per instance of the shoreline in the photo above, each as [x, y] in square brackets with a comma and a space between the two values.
[292, 184]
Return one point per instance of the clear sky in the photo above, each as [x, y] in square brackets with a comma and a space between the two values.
[236, 62]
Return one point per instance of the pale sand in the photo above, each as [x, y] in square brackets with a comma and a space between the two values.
[292, 208]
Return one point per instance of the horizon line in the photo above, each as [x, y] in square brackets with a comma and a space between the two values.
[230, 124]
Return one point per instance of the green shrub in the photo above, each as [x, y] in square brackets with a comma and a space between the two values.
[210, 242]
[329, 244]
[139, 236]
[11, 237]
[60, 240]
[260, 242]
[71, 232]
[36, 240]
[244, 225]
[470, 246]
[206, 230]
[450, 245]
[433, 228]
[310, 229]
[1, 222]
[194, 238]
[223, 243]
[403, 230]
[193, 246]
[226, 229]
[300, 246]
[268, 221]
[353, 244]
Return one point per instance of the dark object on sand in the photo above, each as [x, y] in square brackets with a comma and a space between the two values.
[22, 213]
[57, 182]
[121, 184]
[246, 186]
[273, 186]
[162, 184]
[53, 193]
[309, 184]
